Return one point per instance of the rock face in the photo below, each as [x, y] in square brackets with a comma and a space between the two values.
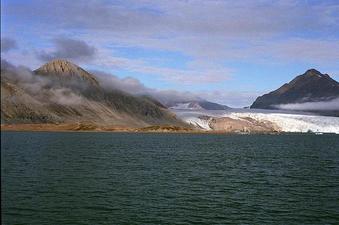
[312, 86]
[245, 124]
[61, 92]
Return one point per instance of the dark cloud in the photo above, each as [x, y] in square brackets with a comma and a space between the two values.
[68, 49]
[8, 44]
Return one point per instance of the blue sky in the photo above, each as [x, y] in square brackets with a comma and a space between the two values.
[225, 51]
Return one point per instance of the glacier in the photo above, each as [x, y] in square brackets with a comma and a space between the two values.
[288, 121]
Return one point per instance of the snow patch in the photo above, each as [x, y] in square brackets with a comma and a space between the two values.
[198, 122]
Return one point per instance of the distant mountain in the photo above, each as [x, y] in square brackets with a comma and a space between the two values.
[62, 92]
[312, 86]
[197, 105]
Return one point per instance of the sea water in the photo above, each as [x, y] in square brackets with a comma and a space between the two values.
[135, 178]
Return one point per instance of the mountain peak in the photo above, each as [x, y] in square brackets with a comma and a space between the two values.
[312, 86]
[60, 61]
[313, 72]
[59, 66]
[66, 70]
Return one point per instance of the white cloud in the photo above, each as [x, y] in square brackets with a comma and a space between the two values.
[195, 73]
[312, 106]
[214, 30]
[135, 87]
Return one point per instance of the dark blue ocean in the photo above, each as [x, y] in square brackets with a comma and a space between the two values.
[134, 178]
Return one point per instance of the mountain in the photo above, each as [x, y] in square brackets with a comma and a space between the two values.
[62, 92]
[66, 71]
[153, 100]
[197, 105]
[312, 86]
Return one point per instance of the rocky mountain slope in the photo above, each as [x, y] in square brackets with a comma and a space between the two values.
[62, 92]
[312, 86]
[65, 71]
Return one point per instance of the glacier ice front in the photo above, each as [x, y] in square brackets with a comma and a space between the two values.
[296, 122]
[286, 121]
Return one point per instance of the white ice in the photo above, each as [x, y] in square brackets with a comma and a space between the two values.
[287, 121]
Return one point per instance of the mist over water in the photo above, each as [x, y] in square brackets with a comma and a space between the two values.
[121, 178]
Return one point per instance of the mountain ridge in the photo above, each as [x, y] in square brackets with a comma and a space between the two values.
[312, 86]
[197, 105]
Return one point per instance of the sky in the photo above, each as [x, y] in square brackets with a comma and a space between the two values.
[229, 52]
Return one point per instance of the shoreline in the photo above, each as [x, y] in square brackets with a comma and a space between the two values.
[90, 128]
[93, 128]
[116, 129]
